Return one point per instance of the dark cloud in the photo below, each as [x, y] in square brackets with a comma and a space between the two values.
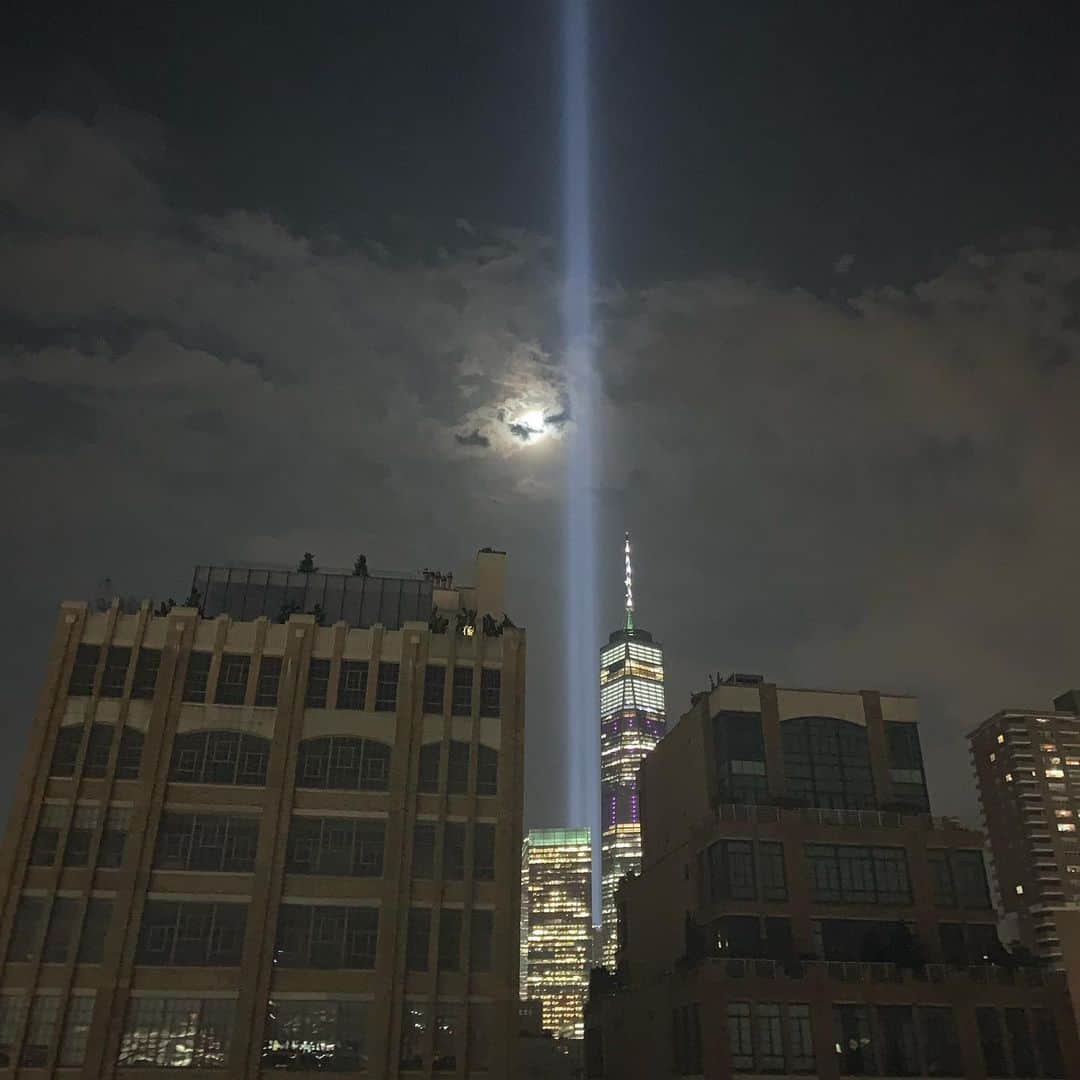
[474, 438]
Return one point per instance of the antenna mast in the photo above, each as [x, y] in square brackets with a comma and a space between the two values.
[628, 581]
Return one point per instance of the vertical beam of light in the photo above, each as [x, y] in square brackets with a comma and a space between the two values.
[582, 630]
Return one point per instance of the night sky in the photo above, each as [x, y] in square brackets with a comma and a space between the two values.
[282, 282]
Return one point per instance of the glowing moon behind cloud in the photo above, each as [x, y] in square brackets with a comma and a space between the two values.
[534, 422]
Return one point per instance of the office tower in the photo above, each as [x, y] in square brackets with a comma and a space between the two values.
[632, 722]
[247, 844]
[1027, 765]
[799, 911]
[556, 904]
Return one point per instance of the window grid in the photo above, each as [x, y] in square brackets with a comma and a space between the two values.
[232, 679]
[269, 682]
[461, 700]
[206, 842]
[327, 937]
[490, 692]
[189, 933]
[338, 1029]
[81, 683]
[197, 677]
[345, 847]
[80, 1015]
[434, 688]
[386, 687]
[343, 763]
[117, 660]
[176, 1033]
[147, 665]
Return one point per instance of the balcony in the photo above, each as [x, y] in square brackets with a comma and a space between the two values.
[859, 972]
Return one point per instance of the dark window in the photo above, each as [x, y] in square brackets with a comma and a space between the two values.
[941, 1045]
[97, 750]
[992, 1039]
[770, 1038]
[827, 763]
[129, 757]
[352, 684]
[63, 930]
[1049, 1047]
[906, 767]
[66, 751]
[95, 930]
[40, 1030]
[146, 673]
[869, 940]
[177, 1032]
[428, 780]
[942, 878]
[855, 1046]
[800, 1040]
[434, 688]
[454, 851]
[189, 933]
[490, 692]
[114, 837]
[484, 851]
[731, 870]
[462, 692]
[423, 861]
[770, 858]
[480, 938]
[335, 846]
[1020, 1042]
[450, 921]
[117, 660]
[317, 684]
[83, 830]
[326, 937]
[26, 933]
[854, 874]
[386, 687]
[207, 842]
[77, 1022]
[343, 763]
[320, 1036]
[82, 674]
[269, 684]
[969, 873]
[899, 1046]
[739, 936]
[457, 768]
[219, 757]
[740, 1036]
[232, 679]
[487, 770]
[46, 842]
[417, 939]
[739, 753]
[686, 1040]
[197, 677]
[963, 944]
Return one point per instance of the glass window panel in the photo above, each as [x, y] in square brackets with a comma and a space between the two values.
[450, 923]
[423, 862]
[386, 687]
[418, 937]
[428, 779]
[95, 929]
[27, 930]
[434, 688]
[480, 939]
[352, 684]
[269, 683]
[146, 673]
[318, 684]
[66, 751]
[457, 770]
[117, 660]
[84, 670]
[63, 928]
[77, 1021]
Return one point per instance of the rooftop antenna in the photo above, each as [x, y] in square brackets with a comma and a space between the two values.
[629, 583]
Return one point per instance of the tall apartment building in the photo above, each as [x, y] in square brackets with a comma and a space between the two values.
[1027, 765]
[556, 926]
[241, 844]
[632, 721]
[799, 910]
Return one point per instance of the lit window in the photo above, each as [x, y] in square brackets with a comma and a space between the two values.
[1069, 827]
[1048, 747]
[1041, 720]
[993, 757]
[1063, 813]
[1001, 738]
[1073, 869]
[1055, 772]
[1008, 778]
[1019, 890]
[1072, 761]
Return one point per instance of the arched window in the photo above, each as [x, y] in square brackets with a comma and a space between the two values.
[827, 763]
[343, 763]
[219, 757]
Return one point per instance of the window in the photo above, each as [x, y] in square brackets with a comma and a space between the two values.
[800, 1039]
[129, 757]
[1020, 1042]
[490, 692]
[740, 1036]
[461, 704]
[454, 851]
[328, 937]
[906, 767]
[80, 1015]
[352, 684]
[232, 679]
[114, 837]
[969, 873]
[176, 933]
[46, 842]
[338, 846]
[94, 931]
[770, 1038]
[686, 1040]
[827, 763]
[428, 780]
[942, 878]
[434, 688]
[771, 870]
[855, 1041]
[84, 825]
[992, 1039]
[899, 1047]
[197, 677]
[343, 763]
[146, 672]
[423, 860]
[731, 870]
[41, 1030]
[98, 747]
[26, 932]
[63, 929]
[482, 926]
[322, 1035]
[479, 1035]
[457, 768]
[447, 1029]
[117, 660]
[450, 921]
[484, 851]
[318, 684]
[176, 1033]
[854, 874]
[83, 671]
[941, 1046]
[418, 938]
[386, 687]
[66, 751]
[963, 944]
[415, 1025]
[206, 842]
[12, 1012]
[269, 684]
[739, 755]
[219, 757]
[1049, 1047]
[487, 770]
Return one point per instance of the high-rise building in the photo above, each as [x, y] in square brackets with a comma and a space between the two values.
[1027, 764]
[248, 843]
[800, 911]
[632, 720]
[556, 919]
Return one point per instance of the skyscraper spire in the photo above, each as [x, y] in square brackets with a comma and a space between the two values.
[629, 582]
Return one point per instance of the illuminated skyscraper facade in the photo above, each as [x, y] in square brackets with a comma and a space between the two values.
[557, 932]
[632, 722]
